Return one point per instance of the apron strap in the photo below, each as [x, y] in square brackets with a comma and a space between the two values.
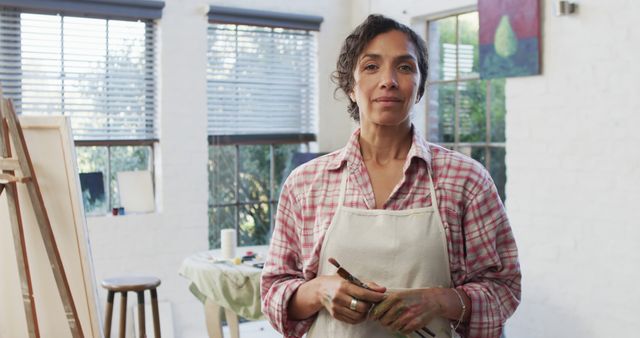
[434, 203]
[343, 185]
[434, 200]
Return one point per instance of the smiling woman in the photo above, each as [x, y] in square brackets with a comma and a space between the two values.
[423, 226]
[386, 80]
[352, 56]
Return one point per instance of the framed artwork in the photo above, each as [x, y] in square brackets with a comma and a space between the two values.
[509, 38]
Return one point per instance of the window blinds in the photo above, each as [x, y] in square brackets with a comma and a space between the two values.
[99, 72]
[260, 80]
[107, 9]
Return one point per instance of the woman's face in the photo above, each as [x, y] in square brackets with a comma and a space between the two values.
[386, 80]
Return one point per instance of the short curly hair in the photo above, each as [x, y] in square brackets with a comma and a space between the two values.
[355, 43]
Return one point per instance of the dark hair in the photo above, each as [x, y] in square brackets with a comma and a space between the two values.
[353, 45]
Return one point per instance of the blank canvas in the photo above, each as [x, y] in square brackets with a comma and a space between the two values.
[50, 145]
[136, 191]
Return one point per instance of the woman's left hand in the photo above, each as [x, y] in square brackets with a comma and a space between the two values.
[408, 310]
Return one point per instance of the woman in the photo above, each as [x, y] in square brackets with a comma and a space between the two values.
[423, 224]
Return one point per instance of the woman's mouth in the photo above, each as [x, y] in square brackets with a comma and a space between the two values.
[387, 100]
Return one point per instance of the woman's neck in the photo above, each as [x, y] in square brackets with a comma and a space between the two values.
[385, 143]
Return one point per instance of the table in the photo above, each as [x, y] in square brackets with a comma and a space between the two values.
[223, 286]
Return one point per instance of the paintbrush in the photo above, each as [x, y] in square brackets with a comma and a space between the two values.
[346, 275]
[342, 272]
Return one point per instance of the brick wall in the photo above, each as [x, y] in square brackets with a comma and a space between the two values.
[573, 168]
[157, 243]
[572, 159]
[573, 173]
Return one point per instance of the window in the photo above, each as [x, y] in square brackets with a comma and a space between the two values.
[465, 113]
[261, 108]
[98, 71]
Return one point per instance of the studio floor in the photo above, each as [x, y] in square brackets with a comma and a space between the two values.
[257, 329]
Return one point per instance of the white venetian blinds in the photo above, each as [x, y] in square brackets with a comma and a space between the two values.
[99, 72]
[260, 79]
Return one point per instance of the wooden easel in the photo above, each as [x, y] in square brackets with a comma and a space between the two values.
[11, 133]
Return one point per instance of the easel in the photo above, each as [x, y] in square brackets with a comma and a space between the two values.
[10, 131]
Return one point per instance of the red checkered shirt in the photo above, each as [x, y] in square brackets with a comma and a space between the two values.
[482, 251]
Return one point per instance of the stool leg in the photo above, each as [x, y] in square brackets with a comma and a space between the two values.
[108, 314]
[123, 314]
[141, 319]
[154, 311]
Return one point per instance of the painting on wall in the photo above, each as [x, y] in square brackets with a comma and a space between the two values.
[509, 38]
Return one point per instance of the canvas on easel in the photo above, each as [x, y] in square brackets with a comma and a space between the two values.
[50, 146]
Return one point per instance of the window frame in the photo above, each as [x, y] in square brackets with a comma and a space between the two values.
[304, 140]
[142, 11]
[109, 145]
[273, 20]
[487, 145]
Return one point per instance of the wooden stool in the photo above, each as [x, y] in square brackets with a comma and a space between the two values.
[138, 285]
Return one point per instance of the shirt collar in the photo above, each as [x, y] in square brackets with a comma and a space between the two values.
[351, 152]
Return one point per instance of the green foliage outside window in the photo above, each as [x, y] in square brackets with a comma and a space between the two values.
[109, 160]
[242, 193]
[462, 107]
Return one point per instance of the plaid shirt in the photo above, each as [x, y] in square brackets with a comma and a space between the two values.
[483, 256]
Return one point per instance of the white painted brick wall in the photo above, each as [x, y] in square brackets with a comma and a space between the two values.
[573, 172]
[572, 157]
[156, 244]
[573, 160]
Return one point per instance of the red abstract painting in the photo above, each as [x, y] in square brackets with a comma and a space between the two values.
[509, 38]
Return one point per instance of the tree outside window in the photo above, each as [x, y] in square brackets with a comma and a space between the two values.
[101, 73]
[465, 113]
[261, 83]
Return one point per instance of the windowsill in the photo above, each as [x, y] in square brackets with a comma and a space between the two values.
[121, 216]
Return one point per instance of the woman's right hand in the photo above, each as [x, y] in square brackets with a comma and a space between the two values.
[336, 295]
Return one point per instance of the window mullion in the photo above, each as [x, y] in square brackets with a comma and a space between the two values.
[456, 123]
[487, 154]
[272, 185]
[62, 64]
[236, 184]
[108, 179]
[107, 82]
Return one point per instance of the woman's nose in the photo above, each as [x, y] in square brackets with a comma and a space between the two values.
[389, 79]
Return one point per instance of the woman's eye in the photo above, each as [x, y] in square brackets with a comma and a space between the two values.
[370, 67]
[406, 68]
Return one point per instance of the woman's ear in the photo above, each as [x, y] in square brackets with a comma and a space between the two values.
[352, 96]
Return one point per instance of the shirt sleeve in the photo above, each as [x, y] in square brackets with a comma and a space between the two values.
[282, 272]
[491, 262]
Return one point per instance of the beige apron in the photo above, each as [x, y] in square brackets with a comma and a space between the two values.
[394, 248]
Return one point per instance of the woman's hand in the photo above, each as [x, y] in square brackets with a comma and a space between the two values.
[409, 310]
[337, 296]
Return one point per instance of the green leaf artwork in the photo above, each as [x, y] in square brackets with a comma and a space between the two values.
[506, 42]
[509, 38]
